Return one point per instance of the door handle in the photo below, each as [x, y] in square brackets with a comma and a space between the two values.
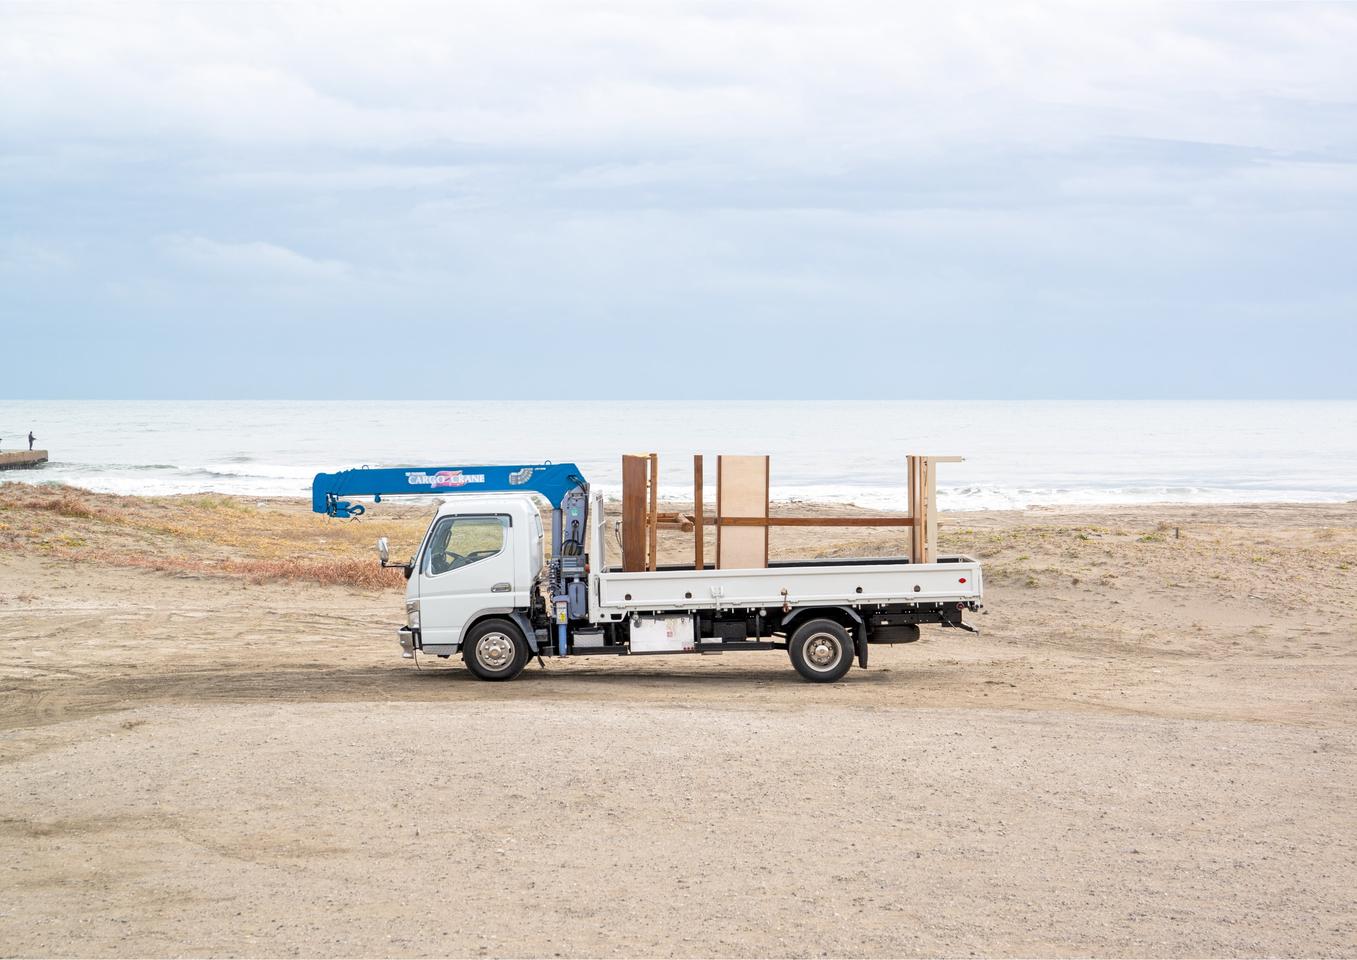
[501, 588]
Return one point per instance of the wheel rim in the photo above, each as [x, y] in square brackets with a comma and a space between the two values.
[495, 651]
[821, 651]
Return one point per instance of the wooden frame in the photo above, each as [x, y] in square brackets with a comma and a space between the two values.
[642, 520]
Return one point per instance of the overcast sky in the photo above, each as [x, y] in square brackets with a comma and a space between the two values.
[672, 200]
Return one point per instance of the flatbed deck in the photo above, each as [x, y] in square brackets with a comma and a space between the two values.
[795, 585]
[783, 586]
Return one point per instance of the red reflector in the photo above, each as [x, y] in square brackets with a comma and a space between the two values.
[961, 580]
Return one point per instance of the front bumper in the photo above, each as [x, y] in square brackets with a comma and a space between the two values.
[409, 641]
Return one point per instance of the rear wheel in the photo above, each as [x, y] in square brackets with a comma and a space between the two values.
[821, 651]
[495, 650]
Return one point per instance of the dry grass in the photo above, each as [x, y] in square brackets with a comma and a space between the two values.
[66, 504]
[208, 535]
[346, 571]
[282, 540]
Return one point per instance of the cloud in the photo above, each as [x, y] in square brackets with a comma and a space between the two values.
[845, 174]
[549, 75]
[21, 256]
[252, 260]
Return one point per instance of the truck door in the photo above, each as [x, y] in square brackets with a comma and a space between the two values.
[467, 567]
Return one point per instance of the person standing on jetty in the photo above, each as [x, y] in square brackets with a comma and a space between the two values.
[31, 438]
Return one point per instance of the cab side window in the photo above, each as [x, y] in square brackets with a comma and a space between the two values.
[461, 541]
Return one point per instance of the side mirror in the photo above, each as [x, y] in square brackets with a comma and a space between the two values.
[383, 550]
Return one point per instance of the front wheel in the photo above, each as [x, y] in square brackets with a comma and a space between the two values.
[821, 651]
[495, 650]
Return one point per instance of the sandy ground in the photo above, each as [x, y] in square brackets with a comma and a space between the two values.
[1149, 751]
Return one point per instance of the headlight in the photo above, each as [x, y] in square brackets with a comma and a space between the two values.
[412, 614]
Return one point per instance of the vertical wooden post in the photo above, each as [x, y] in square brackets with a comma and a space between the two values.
[925, 468]
[916, 509]
[718, 511]
[909, 500]
[931, 509]
[699, 542]
[652, 517]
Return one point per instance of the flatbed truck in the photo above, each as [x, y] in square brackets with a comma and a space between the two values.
[481, 584]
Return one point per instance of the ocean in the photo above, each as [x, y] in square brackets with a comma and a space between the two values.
[1017, 453]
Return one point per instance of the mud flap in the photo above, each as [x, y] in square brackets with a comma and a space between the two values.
[860, 639]
[529, 634]
[958, 622]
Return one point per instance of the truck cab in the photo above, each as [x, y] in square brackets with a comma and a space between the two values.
[482, 557]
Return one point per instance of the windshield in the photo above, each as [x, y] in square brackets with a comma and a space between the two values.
[458, 542]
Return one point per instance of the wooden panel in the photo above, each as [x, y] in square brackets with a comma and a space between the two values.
[633, 512]
[741, 491]
[767, 497]
[699, 542]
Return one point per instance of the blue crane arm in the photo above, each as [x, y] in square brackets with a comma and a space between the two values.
[554, 481]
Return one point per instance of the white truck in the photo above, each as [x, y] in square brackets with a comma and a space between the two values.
[482, 585]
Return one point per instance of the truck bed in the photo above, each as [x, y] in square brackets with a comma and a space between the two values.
[800, 584]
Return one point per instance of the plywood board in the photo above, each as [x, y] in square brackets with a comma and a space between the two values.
[634, 495]
[741, 491]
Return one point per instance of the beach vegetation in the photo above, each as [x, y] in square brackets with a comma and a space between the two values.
[209, 535]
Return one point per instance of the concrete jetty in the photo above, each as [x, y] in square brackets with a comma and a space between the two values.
[18, 459]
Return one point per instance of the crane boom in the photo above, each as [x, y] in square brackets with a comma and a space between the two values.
[561, 484]
[553, 481]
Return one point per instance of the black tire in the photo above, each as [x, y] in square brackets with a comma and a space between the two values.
[495, 650]
[821, 651]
